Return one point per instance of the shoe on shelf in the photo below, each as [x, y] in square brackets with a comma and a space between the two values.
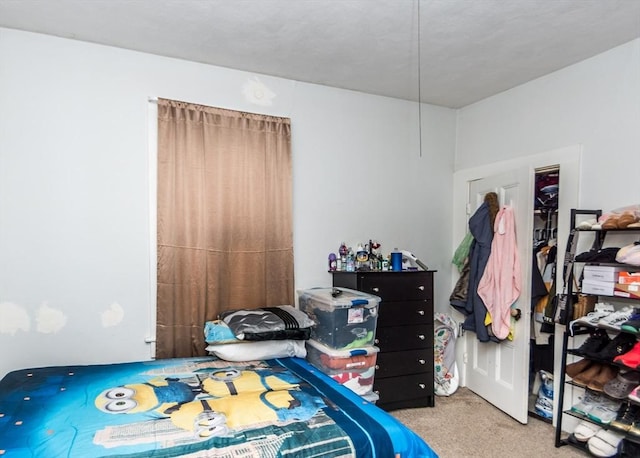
[585, 431]
[605, 443]
[629, 449]
[614, 320]
[623, 384]
[635, 429]
[619, 345]
[634, 395]
[585, 377]
[600, 310]
[597, 340]
[633, 323]
[628, 414]
[606, 374]
[575, 368]
[587, 402]
[631, 358]
[604, 412]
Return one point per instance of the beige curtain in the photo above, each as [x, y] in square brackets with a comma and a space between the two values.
[225, 236]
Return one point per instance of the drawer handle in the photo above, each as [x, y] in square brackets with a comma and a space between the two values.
[421, 288]
[421, 336]
[375, 289]
[422, 361]
[422, 386]
[377, 341]
[420, 312]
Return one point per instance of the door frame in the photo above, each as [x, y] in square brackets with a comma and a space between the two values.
[569, 160]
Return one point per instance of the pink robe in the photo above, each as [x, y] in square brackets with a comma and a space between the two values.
[500, 284]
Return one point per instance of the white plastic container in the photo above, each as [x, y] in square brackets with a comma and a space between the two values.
[330, 360]
[344, 318]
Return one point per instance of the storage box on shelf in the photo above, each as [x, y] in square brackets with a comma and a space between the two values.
[404, 369]
[603, 366]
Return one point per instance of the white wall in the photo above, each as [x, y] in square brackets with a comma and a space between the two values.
[75, 277]
[595, 103]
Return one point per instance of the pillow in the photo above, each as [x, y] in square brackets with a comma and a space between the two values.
[282, 322]
[248, 351]
[218, 332]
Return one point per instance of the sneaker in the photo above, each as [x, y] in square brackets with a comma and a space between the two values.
[614, 320]
[601, 310]
[633, 323]
[627, 415]
[635, 429]
[629, 449]
[634, 395]
[597, 340]
[587, 402]
[621, 344]
[630, 359]
[604, 412]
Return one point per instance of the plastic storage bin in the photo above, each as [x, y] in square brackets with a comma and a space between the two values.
[329, 360]
[344, 318]
[357, 381]
[371, 397]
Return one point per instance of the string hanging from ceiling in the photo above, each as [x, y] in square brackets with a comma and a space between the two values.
[419, 87]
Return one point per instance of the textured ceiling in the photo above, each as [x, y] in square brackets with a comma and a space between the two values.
[469, 49]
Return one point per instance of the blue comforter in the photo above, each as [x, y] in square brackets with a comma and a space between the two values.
[201, 407]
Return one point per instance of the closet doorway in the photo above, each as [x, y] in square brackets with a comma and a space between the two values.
[499, 372]
[543, 271]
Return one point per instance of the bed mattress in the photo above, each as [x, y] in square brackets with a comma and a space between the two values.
[194, 407]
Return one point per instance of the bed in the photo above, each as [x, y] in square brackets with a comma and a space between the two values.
[194, 407]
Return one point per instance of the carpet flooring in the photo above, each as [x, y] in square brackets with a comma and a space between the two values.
[464, 425]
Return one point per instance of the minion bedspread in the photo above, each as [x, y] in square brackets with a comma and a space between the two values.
[196, 407]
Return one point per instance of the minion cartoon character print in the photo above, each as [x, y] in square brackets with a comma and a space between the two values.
[215, 403]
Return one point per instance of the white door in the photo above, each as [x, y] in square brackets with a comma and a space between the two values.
[499, 372]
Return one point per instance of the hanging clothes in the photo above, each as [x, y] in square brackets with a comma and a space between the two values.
[470, 304]
[499, 286]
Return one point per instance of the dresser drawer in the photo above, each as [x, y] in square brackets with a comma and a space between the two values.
[399, 313]
[399, 286]
[395, 338]
[392, 364]
[394, 389]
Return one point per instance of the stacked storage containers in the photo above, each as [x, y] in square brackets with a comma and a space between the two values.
[341, 343]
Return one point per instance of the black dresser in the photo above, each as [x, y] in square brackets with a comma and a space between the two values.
[404, 370]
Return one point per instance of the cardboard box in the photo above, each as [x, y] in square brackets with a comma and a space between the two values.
[629, 278]
[604, 288]
[602, 273]
[630, 291]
